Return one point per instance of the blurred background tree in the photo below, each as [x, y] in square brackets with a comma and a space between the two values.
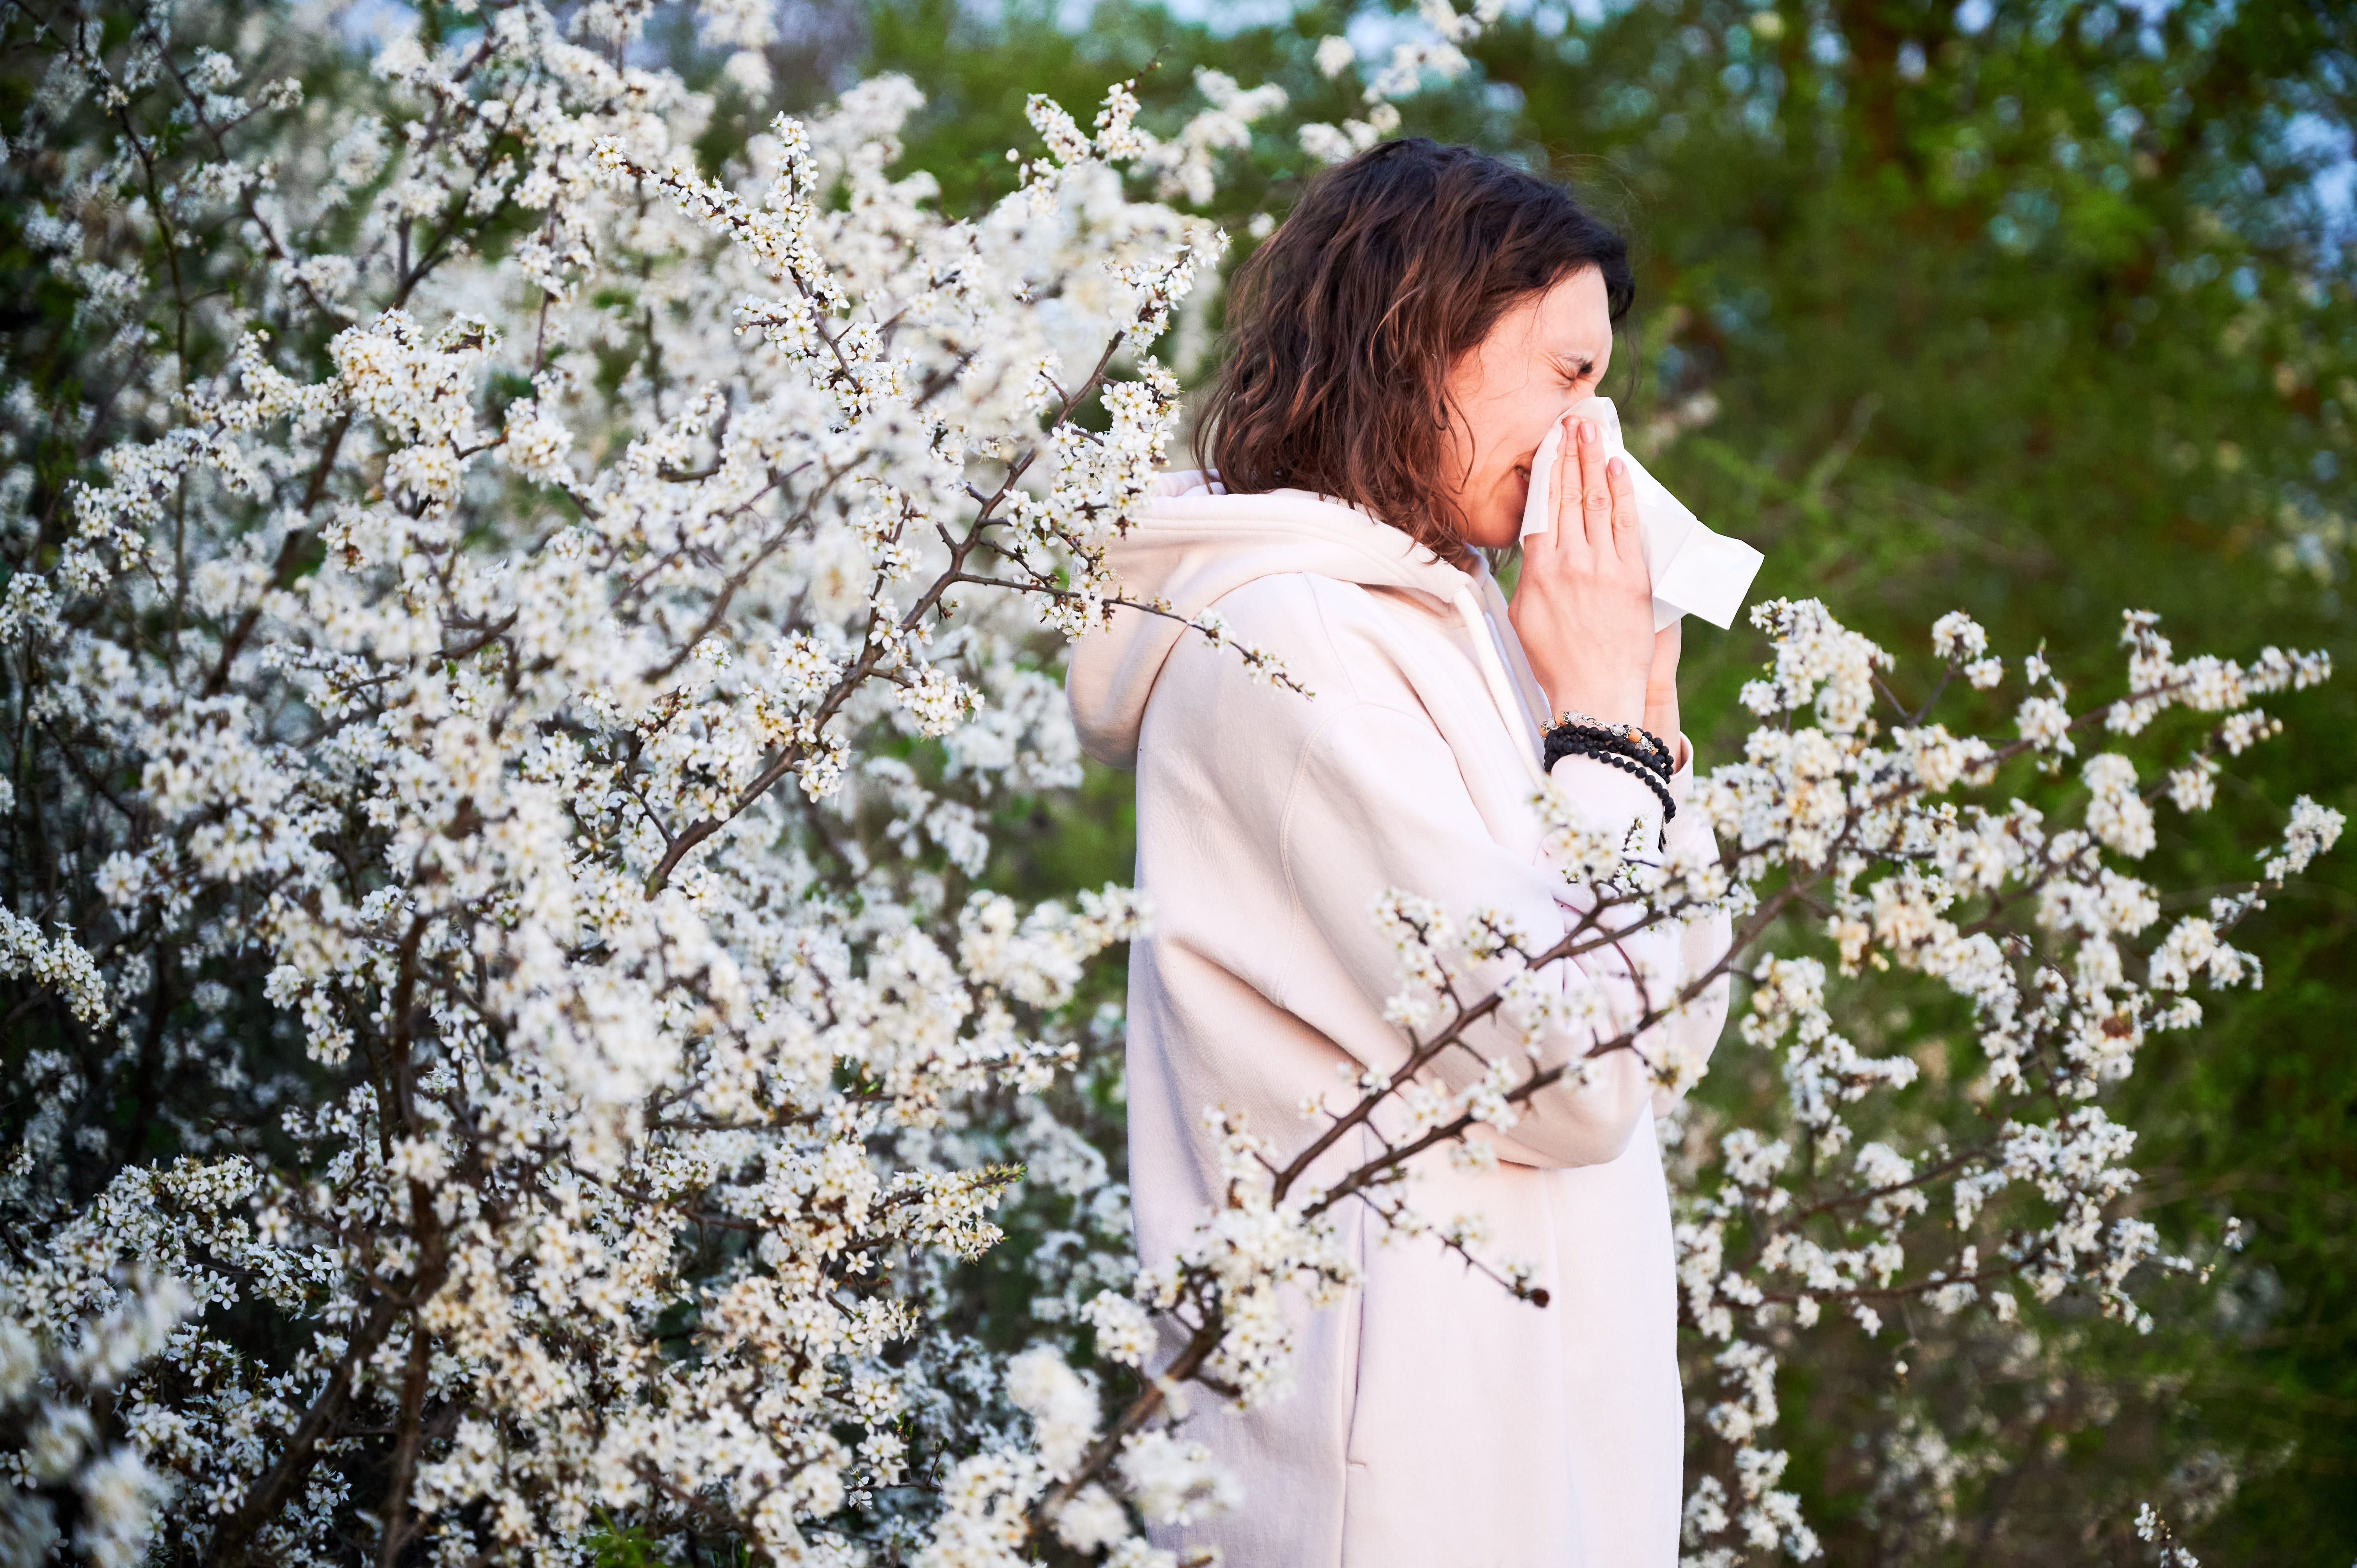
[2038, 310]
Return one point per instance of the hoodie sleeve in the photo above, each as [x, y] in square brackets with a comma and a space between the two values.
[1379, 804]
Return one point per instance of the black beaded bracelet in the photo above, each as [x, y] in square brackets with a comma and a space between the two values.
[1635, 745]
[1642, 743]
[1567, 741]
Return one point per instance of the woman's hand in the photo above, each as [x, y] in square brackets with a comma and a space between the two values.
[1584, 605]
[1661, 687]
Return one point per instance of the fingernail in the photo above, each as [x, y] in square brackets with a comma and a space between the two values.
[1616, 468]
[1586, 430]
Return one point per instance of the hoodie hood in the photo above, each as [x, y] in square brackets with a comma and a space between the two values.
[1194, 543]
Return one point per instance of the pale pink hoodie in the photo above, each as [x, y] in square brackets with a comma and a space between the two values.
[1436, 1422]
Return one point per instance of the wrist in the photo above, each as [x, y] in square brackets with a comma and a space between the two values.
[1625, 706]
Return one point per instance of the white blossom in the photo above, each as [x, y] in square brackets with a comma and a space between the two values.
[536, 692]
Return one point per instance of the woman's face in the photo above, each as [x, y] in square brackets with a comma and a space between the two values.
[1545, 353]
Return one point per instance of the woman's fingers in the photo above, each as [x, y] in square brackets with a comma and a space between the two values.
[1562, 497]
[1595, 489]
[1627, 541]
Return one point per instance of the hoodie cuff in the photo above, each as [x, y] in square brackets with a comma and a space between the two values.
[1608, 795]
[1614, 795]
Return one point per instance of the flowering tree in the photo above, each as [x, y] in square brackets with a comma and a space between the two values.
[513, 646]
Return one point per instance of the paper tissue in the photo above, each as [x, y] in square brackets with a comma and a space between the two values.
[1695, 571]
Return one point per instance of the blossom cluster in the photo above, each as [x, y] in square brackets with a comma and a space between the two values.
[509, 714]
[1907, 849]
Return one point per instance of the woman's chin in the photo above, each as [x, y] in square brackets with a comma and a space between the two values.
[1495, 529]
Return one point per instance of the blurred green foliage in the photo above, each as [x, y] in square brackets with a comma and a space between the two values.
[2040, 310]
[2045, 321]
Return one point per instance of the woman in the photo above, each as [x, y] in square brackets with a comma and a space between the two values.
[1401, 348]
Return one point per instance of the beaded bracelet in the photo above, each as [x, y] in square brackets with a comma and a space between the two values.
[1628, 741]
[1641, 740]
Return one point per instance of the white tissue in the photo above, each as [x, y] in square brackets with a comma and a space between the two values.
[1695, 571]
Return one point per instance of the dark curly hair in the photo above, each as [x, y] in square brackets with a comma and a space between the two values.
[1343, 326]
